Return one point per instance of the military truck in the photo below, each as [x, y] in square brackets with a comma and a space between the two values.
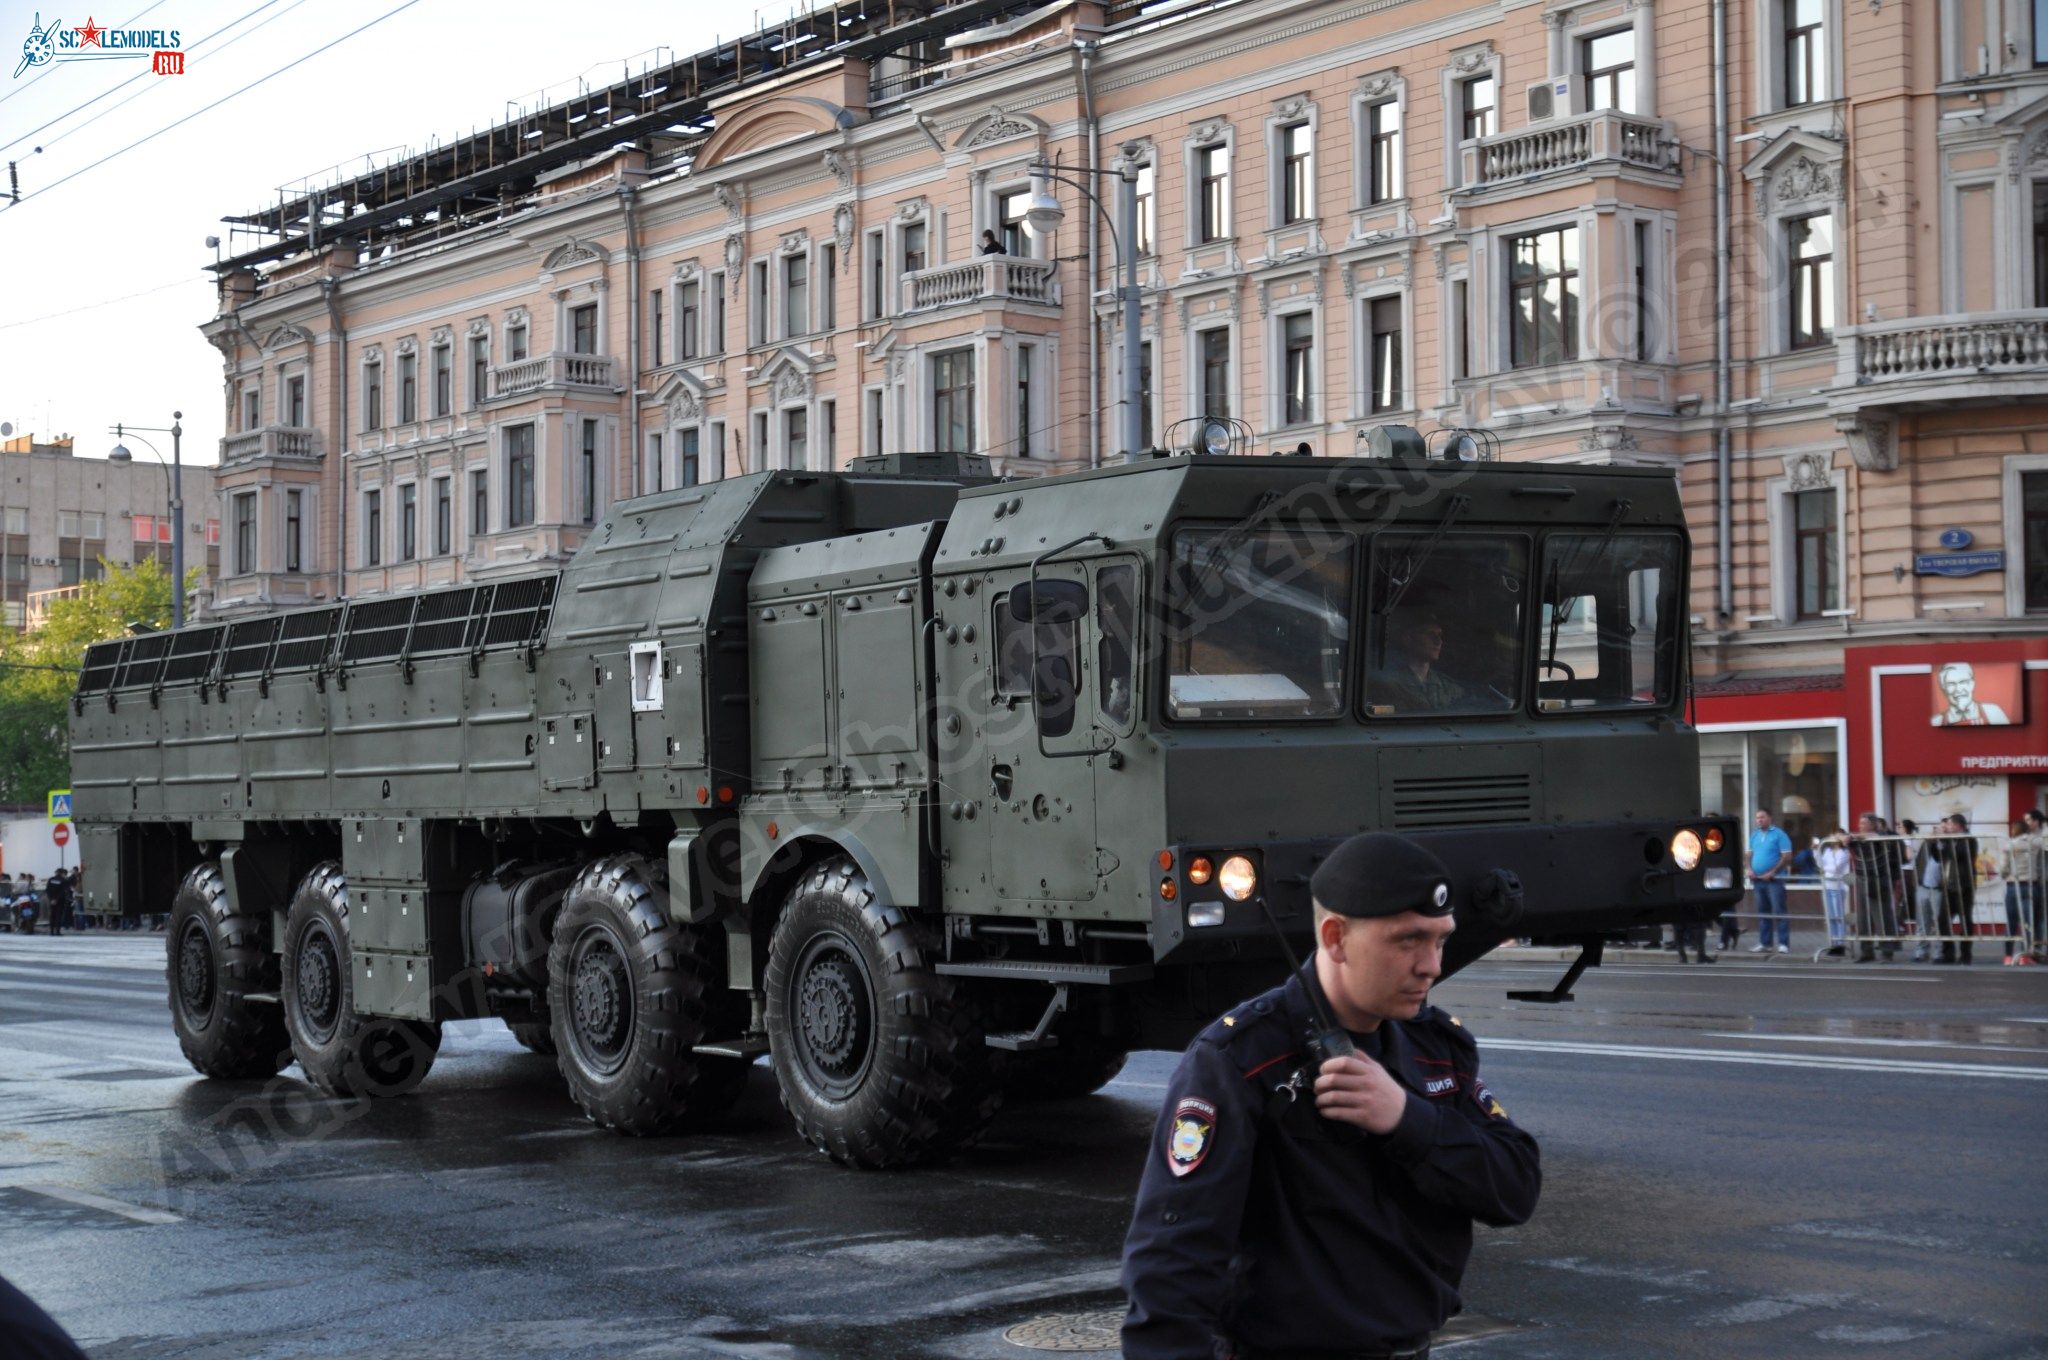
[925, 785]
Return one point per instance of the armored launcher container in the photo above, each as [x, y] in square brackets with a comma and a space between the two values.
[926, 786]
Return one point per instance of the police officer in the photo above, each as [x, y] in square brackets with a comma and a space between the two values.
[1295, 1209]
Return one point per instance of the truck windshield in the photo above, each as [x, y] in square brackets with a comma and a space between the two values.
[1258, 626]
[1610, 627]
[1446, 624]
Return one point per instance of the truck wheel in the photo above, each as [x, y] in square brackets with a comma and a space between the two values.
[214, 959]
[341, 1052]
[880, 1060]
[629, 988]
[1080, 1065]
[535, 1036]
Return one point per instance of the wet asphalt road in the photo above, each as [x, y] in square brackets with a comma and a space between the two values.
[1780, 1159]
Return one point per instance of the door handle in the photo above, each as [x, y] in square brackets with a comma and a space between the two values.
[1002, 779]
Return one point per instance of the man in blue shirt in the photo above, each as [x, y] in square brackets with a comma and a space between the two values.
[1770, 858]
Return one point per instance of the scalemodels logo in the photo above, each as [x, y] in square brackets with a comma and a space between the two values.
[93, 43]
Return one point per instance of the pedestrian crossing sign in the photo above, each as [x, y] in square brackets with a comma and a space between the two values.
[60, 805]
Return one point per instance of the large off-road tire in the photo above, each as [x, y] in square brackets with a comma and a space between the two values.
[628, 989]
[340, 1051]
[880, 1060]
[535, 1036]
[1080, 1065]
[214, 960]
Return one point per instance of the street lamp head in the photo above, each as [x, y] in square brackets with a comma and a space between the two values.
[120, 454]
[1042, 211]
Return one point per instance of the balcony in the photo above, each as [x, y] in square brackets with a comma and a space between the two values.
[1605, 137]
[553, 372]
[985, 278]
[1970, 357]
[271, 441]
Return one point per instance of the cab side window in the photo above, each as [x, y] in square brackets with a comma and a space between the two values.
[1116, 652]
[1058, 660]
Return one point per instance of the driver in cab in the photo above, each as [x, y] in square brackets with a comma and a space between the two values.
[1412, 681]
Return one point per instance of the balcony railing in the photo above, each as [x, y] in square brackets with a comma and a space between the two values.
[1604, 135]
[985, 278]
[543, 371]
[1978, 344]
[271, 441]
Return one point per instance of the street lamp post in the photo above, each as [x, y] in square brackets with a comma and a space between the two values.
[1043, 213]
[175, 470]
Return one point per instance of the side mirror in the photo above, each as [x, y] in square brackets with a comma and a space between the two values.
[1050, 602]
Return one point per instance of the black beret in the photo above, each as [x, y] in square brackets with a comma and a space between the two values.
[1379, 874]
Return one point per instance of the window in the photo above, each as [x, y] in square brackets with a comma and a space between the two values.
[1478, 106]
[2041, 239]
[2034, 538]
[757, 303]
[877, 276]
[515, 342]
[1806, 58]
[1642, 282]
[518, 476]
[687, 473]
[72, 570]
[479, 370]
[1147, 190]
[295, 401]
[655, 332]
[873, 399]
[1383, 381]
[294, 530]
[1010, 222]
[1257, 626]
[2040, 32]
[586, 473]
[1608, 61]
[828, 272]
[373, 528]
[654, 467]
[1027, 355]
[1611, 621]
[953, 401]
[583, 329]
[1444, 626]
[1116, 644]
[245, 533]
[687, 308]
[81, 524]
[1794, 772]
[716, 289]
[408, 388]
[1214, 347]
[1383, 152]
[444, 379]
[1297, 173]
[373, 396]
[1461, 319]
[408, 522]
[1817, 584]
[1543, 297]
[479, 502]
[1810, 246]
[16, 519]
[758, 421]
[796, 438]
[444, 516]
[913, 247]
[796, 295]
[1212, 192]
[1053, 648]
[1298, 364]
[828, 433]
[252, 407]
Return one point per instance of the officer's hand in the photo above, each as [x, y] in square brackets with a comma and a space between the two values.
[1357, 1090]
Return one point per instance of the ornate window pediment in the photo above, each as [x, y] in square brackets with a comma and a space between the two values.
[682, 397]
[1794, 169]
[409, 345]
[284, 335]
[480, 326]
[771, 123]
[573, 252]
[998, 125]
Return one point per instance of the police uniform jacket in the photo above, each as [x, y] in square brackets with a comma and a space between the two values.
[1261, 1221]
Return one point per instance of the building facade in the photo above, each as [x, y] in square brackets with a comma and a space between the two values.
[1796, 251]
[62, 517]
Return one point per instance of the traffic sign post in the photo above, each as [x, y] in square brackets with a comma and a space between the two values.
[61, 833]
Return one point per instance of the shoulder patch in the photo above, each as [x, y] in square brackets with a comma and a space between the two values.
[1456, 1021]
[1190, 1135]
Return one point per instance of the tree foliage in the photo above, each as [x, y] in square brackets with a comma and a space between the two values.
[39, 669]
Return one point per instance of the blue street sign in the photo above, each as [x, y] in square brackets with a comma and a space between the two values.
[1957, 564]
[1955, 540]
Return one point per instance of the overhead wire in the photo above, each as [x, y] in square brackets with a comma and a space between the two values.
[104, 302]
[139, 75]
[233, 94]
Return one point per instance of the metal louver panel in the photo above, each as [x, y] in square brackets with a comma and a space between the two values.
[1424, 801]
[249, 646]
[102, 665]
[305, 638]
[376, 628]
[191, 654]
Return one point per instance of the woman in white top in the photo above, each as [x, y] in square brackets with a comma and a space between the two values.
[1833, 858]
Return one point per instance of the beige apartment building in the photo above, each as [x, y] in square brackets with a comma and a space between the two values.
[64, 515]
[1794, 250]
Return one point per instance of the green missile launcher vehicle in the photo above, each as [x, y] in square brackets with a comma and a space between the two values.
[930, 787]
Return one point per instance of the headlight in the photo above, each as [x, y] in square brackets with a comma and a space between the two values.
[1717, 880]
[1237, 878]
[1685, 850]
[1206, 914]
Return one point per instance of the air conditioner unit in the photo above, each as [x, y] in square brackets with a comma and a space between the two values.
[1550, 99]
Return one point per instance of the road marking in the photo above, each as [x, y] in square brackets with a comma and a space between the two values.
[1743, 970]
[1884, 1043]
[87, 1200]
[1898, 1066]
[111, 993]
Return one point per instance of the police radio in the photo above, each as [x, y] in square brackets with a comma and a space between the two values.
[1326, 1039]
